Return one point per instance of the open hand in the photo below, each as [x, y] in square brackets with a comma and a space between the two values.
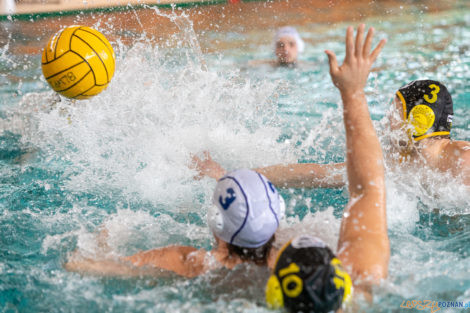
[207, 167]
[351, 77]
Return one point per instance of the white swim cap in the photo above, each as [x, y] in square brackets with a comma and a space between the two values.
[290, 32]
[247, 209]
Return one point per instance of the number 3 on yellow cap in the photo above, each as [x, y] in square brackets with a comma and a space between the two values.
[434, 92]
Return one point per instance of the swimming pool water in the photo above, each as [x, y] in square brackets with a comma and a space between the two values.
[121, 159]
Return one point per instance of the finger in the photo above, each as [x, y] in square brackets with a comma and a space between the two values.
[206, 154]
[368, 42]
[198, 176]
[377, 50]
[349, 42]
[195, 161]
[332, 60]
[359, 40]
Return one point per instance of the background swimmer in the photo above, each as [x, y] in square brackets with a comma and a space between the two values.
[308, 277]
[288, 45]
[246, 213]
[422, 115]
[425, 113]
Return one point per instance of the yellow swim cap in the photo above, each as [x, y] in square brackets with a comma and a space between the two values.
[308, 278]
[427, 107]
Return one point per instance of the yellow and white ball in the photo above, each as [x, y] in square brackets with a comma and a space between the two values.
[78, 62]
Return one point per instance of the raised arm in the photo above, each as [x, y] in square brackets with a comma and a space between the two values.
[363, 243]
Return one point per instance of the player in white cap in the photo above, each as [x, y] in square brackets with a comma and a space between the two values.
[287, 46]
[245, 215]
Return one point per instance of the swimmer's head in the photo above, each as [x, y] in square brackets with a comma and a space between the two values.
[287, 45]
[308, 277]
[426, 107]
[247, 209]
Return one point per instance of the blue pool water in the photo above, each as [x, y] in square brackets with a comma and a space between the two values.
[121, 160]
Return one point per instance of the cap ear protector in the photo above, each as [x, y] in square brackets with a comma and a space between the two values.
[421, 118]
[308, 278]
[215, 219]
[427, 108]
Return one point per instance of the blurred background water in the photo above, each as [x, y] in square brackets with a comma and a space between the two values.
[184, 84]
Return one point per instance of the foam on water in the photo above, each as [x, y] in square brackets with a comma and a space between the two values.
[138, 136]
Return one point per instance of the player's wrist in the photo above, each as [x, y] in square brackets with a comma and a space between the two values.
[352, 93]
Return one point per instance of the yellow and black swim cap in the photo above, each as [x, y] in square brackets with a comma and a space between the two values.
[427, 107]
[307, 278]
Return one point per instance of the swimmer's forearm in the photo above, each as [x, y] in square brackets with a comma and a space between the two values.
[364, 228]
[101, 267]
[111, 268]
[305, 175]
[363, 151]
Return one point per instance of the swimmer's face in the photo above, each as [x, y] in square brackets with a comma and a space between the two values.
[396, 116]
[398, 127]
[286, 50]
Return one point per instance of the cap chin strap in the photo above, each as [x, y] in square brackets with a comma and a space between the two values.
[431, 135]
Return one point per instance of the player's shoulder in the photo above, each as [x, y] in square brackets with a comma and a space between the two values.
[456, 148]
[454, 155]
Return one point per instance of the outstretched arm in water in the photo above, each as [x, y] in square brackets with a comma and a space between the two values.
[166, 261]
[305, 175]
[300, 175]
[363, 243]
